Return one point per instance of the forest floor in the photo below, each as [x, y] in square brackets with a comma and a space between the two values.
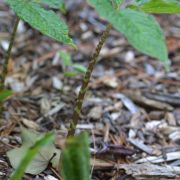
[132, 108]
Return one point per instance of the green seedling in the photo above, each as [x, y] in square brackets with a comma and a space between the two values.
[76, 158]
[141, 30]
[127, 16]
[46, 21]
[71, 69]
[5, 94]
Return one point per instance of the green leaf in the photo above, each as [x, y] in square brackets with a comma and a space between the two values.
[80, 68]
[141, 30]
[47, 22]
[36, 152]
[54, 4]
[65, 57]
[159, 6]
[4, 94]
[76, 158]
[70, 74]
[141, 1]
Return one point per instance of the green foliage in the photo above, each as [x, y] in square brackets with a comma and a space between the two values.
[76, 158]
[141, 30]
[4, 94]
[47, 22]
[36, 152]
[65, 57]
[70, 73]
[158, 6]
[67, 62]
[80, 68]
[55, 4]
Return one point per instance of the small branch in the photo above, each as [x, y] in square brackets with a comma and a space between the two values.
[84, 87]
[8, 54]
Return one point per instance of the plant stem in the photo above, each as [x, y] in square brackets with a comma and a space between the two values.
[86, 79]
[8, 54]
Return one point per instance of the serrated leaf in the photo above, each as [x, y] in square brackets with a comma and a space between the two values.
[47, 22]
[159, 6]
[141, 30]
[76, 158]
[4, 94]
[41, 158]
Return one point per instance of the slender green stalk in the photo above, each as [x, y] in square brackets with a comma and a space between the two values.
[84, 87]
[6, 61]
[7, 56]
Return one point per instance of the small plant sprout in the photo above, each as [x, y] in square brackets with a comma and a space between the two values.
[70, 69]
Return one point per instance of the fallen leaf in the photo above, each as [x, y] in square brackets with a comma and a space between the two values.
[48, 153]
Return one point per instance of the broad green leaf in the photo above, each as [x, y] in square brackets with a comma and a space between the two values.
[47, 22]
[76, 158]
[80, 68]
[65, 57]
[141, 30]
[4, 94]
[159, 6]
[46, 153]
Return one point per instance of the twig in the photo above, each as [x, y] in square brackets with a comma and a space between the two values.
[8, 54]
